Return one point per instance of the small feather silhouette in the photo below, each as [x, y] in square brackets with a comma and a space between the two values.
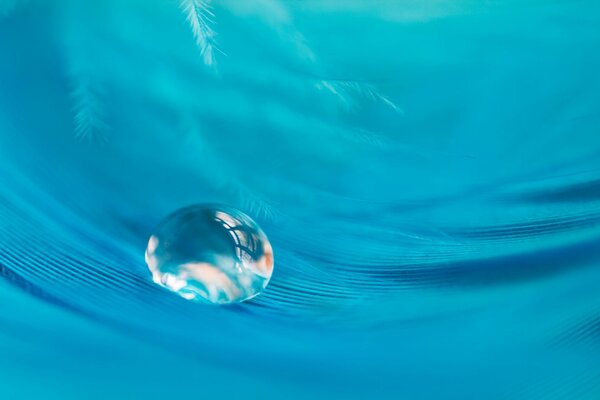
[89, 114]
[199, 16]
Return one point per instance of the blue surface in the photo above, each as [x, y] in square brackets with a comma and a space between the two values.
[428, 174]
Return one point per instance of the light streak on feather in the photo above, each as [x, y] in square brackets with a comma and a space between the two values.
[348, 90]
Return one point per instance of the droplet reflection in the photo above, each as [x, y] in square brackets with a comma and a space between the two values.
[212, 253]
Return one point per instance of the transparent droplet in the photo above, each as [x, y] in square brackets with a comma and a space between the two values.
[210, 253]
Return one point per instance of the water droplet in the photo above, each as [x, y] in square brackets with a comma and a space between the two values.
[207, 252]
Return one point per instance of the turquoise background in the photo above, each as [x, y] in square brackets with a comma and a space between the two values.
[428, 173]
